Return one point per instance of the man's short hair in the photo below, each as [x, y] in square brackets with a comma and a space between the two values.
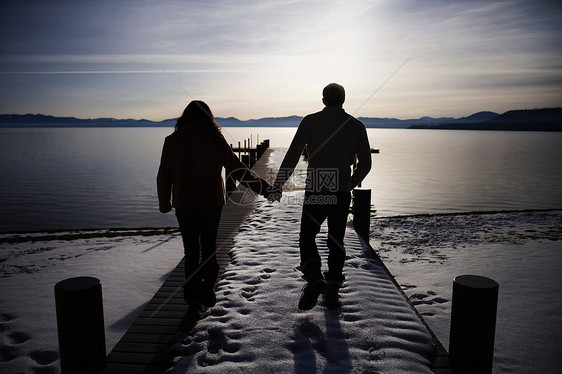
[333, 94]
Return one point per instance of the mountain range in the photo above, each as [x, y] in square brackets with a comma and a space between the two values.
[547, 119]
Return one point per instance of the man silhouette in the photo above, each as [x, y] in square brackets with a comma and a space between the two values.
[333, 140]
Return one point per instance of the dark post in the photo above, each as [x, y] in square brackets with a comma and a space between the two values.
[473, 324]
[246, 160]
[80, 325]
[252, 157]
[362, 212]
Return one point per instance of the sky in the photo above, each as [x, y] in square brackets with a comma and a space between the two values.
[271, 58]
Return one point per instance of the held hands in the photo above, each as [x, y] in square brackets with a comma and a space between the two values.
[273, 193]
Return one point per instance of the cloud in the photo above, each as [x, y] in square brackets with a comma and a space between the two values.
[276, 55]
[121, 64]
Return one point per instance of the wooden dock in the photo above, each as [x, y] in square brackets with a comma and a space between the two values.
[147, 346]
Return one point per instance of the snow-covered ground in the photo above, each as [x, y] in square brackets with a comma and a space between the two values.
[522, 251]
[131, 269]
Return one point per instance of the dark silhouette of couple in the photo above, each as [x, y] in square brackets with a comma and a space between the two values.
[190, 180]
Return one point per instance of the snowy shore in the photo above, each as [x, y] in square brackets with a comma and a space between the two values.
[131, 269]
[522, 251]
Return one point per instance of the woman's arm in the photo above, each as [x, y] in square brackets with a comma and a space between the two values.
[164, 179]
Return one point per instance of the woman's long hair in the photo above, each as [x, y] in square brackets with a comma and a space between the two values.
[198, 115]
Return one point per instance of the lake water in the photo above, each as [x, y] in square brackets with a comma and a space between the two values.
[75, 178]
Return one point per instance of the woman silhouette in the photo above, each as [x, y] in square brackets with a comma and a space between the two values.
[190, 180]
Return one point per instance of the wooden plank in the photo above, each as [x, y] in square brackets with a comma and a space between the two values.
[178, 303]
[142, 347]
[176, 293]
[165, 307]
[146, 338]
[171, 286]
[119, 368]
[158, 358]
[158, 321]
[160, 313]
[148, 329]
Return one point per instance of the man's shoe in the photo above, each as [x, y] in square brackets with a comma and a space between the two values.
[194, 310]
[310, 293]
[207, 295]
[190, 294]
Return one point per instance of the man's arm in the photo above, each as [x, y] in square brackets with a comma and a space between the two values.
[363, 165]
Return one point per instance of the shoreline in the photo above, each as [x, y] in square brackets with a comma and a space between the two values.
[13, 237]
[68, 235]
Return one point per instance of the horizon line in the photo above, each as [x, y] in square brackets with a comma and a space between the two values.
[232, 117]
[262, 118]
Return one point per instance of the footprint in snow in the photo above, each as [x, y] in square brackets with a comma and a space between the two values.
[44, 357]
[247, 293]
[17, 337]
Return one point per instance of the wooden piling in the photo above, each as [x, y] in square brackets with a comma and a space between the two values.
[80, 325]
[473, 324]
[362, 212]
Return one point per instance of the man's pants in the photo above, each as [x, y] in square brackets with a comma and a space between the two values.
[316, 209]
[199, 227]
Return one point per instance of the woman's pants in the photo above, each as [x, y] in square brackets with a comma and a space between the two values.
[199, 227]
